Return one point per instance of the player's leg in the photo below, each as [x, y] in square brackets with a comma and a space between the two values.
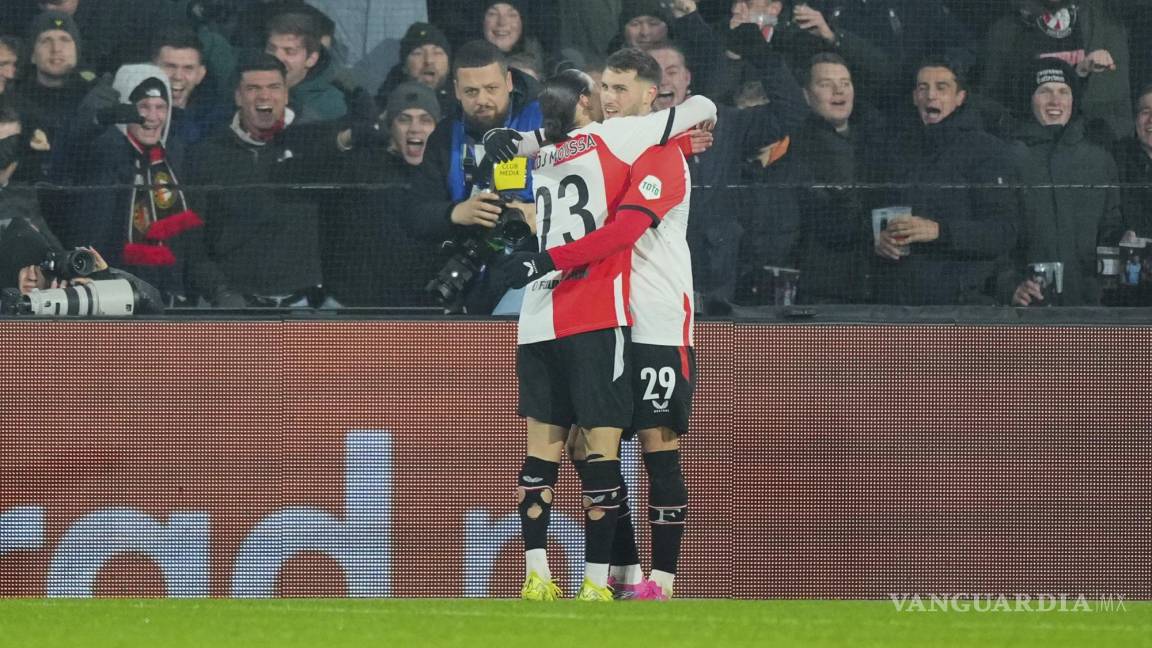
[547, 410]
[602, 396]
[624, 572]
[667, 506]
[601, 497]
[663, 407]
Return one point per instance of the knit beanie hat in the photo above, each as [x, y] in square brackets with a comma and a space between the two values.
[52, 21]
[411, 94]
[632, 9]
[1051, 70]
[420, 34]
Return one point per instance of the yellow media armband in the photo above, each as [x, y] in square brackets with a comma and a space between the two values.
[511, 175]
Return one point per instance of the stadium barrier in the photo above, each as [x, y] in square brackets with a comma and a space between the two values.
[377, 458]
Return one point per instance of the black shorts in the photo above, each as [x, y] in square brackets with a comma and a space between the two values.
[582, 379]
[663, 381]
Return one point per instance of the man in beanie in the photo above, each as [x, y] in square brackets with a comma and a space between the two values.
[424, 58]
[50, 95]
[1061, 225]
[368, 258]
[149, 230]
[112, 29]
[1083, 33]
[648, 24]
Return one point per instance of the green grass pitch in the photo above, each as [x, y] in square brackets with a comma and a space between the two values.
[470, 623]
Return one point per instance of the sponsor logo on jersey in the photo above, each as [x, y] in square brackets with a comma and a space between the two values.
[651, 187]
[565, 151]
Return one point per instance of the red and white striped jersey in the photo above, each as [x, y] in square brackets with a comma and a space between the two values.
[579, 184]
[661, 284]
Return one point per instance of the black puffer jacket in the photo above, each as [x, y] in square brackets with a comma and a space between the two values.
[836, 221]
[978, 226]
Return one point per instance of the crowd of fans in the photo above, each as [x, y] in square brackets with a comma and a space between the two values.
[913, 152]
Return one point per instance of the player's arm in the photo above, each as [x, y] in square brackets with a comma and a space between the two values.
[657, 185]
[503, 144]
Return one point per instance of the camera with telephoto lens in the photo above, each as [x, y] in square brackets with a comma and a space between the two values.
[68, 264]
[469, 254]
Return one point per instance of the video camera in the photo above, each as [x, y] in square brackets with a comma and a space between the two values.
[469, 254]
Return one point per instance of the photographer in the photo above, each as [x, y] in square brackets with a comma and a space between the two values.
[447, 203]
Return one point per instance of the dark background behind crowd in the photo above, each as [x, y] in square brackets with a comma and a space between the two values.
[287, 153]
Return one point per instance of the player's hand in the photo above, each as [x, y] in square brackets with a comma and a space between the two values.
[701, 140]
[522, 268]
[500, 144]
[914, 229]
[483, 209]
[1027, 292]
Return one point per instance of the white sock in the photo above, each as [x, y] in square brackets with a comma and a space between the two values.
[627, 574]
[536, 560]
[663, 579]
[597, 573]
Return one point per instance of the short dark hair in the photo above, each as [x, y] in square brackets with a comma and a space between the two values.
[823, 58]
[178, 38]
[297, 24]
[255, 61]
[478, 54]
[947, 63]
[631, 59]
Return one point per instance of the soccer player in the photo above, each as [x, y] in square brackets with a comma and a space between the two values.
[573, 335]
[652, 215]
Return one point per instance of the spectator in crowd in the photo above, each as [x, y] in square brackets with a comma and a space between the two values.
[1062, 225]
[1134, 159]
[294, 39]
[115, 31]
[253, 17]
[196, 110]
[151, 230]
[881, 41]
[16, 200]
[1083, 34]
[424, 58]
[10, 48]
[264, 241]
[714, 232]
[956, 237]
[369, 258]
[589, 27]
[504, 25]
[843, 142]
[646, 24]
[52, 92]
[447, 201]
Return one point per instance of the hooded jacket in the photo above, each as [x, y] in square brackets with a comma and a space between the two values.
[103, 219]
[978, 226]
